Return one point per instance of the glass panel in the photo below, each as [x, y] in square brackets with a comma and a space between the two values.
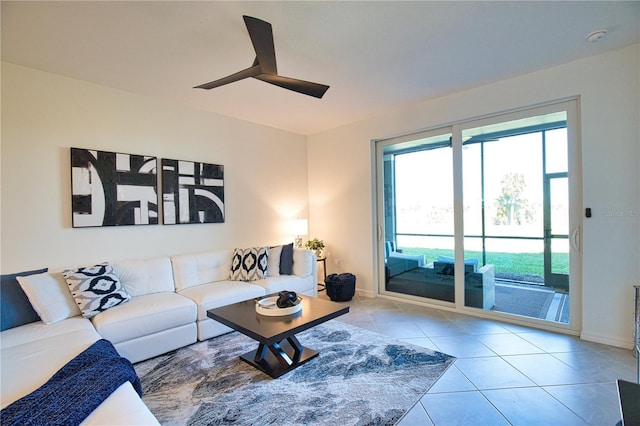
[556, 151]
[424, 192]
[560, 256]
[503, 210]
[517, 260]
[559, 196]
[557, 256]
[430, 247]
[519, 270]
[472, 189]
[513, 186]
[419, 218]
[473, 249]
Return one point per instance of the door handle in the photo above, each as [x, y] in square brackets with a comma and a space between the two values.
[575, 239]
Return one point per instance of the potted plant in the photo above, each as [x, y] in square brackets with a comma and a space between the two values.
[316, 245]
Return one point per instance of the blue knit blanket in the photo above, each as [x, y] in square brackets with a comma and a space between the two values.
[75, 390]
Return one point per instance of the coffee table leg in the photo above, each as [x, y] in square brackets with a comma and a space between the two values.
[297, 348]
[280, 354]
[286, 355]
[260, 352]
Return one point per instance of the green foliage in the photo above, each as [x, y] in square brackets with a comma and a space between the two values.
[314, 244]
[511, 207]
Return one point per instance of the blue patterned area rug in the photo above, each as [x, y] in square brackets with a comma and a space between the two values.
[359, 378]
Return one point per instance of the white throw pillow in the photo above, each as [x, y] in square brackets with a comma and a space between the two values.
[95, 288]
[49, 296]
[302, 262]
[273, 263]
[249, 264]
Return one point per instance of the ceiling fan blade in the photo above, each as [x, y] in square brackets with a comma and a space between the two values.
[261, 35]
[305, 87]
[264, 66]
[249, 72]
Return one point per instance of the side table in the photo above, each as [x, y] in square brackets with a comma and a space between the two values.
[324, 271]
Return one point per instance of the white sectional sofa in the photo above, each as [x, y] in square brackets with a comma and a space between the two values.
[34, 352]
[166, 311]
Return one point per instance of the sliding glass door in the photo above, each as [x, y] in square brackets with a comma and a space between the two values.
[417, 175]
[507, 236]
[516, 215]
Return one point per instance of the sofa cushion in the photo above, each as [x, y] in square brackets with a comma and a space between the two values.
[286, 259]
[35, 331]
[447, 268]
[15, 307]
[147, 276]
[95, 288]
[448, 259]
[49, 295]
[302, 262]
[249, 264]
[417, 257]
[195, 269]
[221, 293]
[144, 315]
[287, 282]
[123, 407]
[273, 262]
[27, 366]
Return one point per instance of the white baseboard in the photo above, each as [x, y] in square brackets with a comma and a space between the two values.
[366, 293]
[607, 340]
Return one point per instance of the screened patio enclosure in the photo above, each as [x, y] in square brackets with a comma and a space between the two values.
[501, 199]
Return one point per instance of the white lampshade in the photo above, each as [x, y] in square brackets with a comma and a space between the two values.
[300, 227]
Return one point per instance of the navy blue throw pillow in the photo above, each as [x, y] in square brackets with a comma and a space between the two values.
[15, 307]
[286, 259]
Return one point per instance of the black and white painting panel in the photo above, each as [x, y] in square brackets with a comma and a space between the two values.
[110, 189]
[192, 192]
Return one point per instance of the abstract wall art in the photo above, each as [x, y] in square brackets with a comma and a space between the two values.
[192, 192]
[111, 189]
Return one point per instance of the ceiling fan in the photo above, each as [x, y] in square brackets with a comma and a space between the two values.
[264, 66]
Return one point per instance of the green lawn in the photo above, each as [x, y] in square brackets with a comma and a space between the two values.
[515, 266]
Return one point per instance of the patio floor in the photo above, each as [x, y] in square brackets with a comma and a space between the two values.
[533, 301]
[529, 300]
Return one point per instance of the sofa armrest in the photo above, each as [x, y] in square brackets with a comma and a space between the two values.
[488, 271]
[488, 285]
[304, 263]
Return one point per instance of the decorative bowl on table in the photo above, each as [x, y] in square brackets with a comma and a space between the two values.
[268, 306]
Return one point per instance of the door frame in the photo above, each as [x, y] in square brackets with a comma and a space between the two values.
[551, 279]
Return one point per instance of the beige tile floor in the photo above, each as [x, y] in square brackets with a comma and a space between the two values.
[504, 374]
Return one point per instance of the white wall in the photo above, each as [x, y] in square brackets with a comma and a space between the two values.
[340, 177]
[266, 174]
[43, 115]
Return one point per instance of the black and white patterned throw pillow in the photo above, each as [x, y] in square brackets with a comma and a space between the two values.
[95, 288]
[249, 264]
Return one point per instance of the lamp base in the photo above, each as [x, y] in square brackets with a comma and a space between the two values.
[298, 242]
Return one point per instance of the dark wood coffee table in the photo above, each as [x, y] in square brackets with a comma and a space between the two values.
[279, 351]
[629, 396]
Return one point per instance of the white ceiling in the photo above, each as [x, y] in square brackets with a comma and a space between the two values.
[376, 56]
